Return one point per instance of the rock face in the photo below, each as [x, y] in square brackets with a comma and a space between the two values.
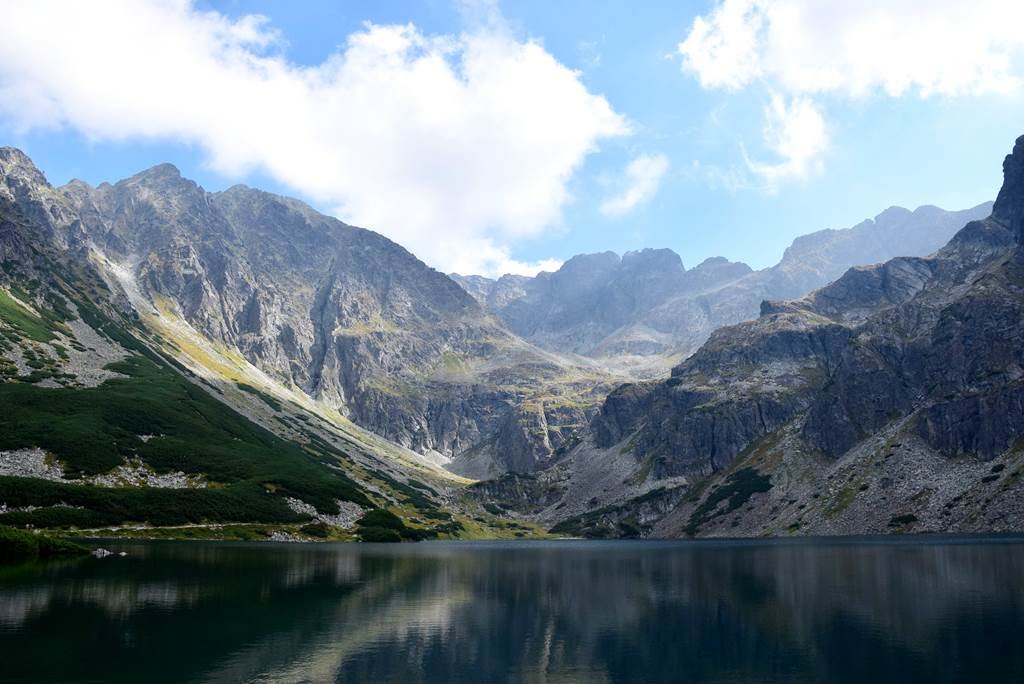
[339, 313]
[926, 354]
[890, 399]
[646, 304]
[880, 342]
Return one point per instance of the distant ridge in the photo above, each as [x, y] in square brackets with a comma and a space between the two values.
[646, 304]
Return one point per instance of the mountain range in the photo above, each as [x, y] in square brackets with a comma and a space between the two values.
[889, 400]
[643, 312]
[197, 360]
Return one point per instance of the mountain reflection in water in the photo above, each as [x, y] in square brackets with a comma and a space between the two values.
[933, 610]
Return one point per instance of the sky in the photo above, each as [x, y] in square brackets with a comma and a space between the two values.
[493, 137]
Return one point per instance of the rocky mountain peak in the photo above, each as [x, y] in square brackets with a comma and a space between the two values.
[720, 264]
[1009, 206]
[12, 156]
[893, 214]
[162, 178]
[15, 166]
[664, 260]
[163, 170]
[581, 264]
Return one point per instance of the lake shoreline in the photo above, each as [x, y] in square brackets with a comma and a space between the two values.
[923, 538]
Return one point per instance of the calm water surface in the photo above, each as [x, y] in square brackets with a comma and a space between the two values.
[935, 610]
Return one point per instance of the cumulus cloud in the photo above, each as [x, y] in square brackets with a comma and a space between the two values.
[454, 145]
[808, 48]
[946, 47]
[795, 132]
[481, 256]
[640, 183]
[722, 49]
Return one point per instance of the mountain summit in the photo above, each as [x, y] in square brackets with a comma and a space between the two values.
[644, 311]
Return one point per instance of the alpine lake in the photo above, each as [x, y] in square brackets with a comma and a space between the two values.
[902, 609]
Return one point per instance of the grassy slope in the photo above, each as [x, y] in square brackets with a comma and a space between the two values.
[94, 429]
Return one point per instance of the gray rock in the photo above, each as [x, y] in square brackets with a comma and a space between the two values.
[927, 351]
[340, 313]
[647, 304]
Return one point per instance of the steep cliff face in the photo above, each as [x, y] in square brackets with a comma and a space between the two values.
[647, 305]
[336, 312]
[1009, 205]
[924, 353]
[878, 343]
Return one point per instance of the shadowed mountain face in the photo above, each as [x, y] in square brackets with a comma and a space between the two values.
[646, 304]
[880, 342]
[892, 398]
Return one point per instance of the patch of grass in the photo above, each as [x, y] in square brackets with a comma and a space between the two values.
[234, 532]
[379, 535]
[380, 517]
[900, 520]
[643, 472]
[15, 313]
[381, 525]
[617, 520]
[17, 546]
[841, 502]
[318, 530]
[62, 505]
[412, 494]
[266, 398]
[736, 490]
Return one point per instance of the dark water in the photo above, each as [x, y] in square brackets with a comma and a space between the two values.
[819, 611]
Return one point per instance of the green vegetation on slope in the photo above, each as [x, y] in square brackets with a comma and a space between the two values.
[17, 546]
[381, 525]
[619, 520]
[36, 327]
[736, 490]
[264, 397]
[161, 418]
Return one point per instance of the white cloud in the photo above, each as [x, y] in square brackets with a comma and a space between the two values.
[946, 47]
[641, 181]
[722, 49]
[795, 131]
[481, 256]
[444, 143]
[808, 48]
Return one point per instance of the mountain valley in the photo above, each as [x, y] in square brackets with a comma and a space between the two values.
[235, 363]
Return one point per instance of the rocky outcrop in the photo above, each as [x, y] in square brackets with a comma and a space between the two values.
[745, 382]
[1009, 204]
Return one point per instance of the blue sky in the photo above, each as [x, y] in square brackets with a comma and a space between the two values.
[550, 129]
